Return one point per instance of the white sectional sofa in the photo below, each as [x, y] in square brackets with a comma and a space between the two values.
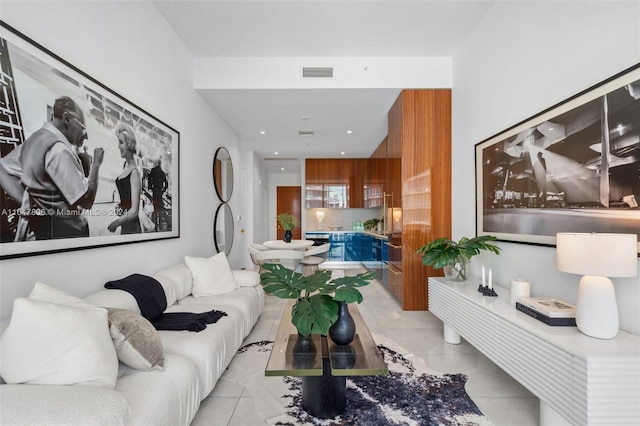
[193, 361]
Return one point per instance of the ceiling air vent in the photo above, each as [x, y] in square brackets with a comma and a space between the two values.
[316, 72]
[305, 132]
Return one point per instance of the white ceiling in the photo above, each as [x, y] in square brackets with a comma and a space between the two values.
[304, 29]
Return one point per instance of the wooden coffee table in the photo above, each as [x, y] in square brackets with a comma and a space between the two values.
[325, 366]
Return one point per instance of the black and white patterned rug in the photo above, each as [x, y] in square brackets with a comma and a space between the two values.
[408, 395]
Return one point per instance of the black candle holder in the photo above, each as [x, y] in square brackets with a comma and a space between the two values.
[486, 291]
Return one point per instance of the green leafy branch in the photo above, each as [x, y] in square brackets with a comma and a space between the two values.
[443, 251]
[317, 295]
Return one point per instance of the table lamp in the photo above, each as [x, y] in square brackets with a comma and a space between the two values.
[597, 257]
[319, 219]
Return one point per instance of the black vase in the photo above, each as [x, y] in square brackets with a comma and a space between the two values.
[343, 356]
[287, 236]
[304, 352]
[343, 330]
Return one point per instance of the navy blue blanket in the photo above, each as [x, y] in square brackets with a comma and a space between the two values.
[152, 301]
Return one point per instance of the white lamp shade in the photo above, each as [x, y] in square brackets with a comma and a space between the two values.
[597, 254]
[319, 215]
[597, 257]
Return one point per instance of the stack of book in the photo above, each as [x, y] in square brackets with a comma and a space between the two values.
[548, 310]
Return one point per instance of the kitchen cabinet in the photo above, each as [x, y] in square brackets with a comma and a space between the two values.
[338, 246]
[350, 246]
[366, 248]
[394, 156]
[335, 183]
[326, 185]
[358, 247]
[375, 256]
[357, 172]
[375, 181]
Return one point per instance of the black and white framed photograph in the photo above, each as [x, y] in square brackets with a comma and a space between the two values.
[80, 165]
[574, 167]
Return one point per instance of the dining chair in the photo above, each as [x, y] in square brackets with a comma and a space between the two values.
[252, 252]
[287, 258]
[257, 246]
[313, 257]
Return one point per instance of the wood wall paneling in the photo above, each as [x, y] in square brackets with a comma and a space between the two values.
[425, 119]
[289, 200]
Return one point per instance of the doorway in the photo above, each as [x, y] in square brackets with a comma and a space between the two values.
[289, 200]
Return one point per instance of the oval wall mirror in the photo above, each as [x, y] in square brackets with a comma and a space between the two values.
[223, 229]
[223, 174]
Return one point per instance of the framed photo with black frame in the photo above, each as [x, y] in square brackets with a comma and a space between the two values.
[56, 123]
[574, 167]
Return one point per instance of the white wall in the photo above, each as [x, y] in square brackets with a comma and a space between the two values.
[128, 47]
[521, 59]
[253, 227]
[349, 73]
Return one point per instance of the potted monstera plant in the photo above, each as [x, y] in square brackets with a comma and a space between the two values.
[288, 222]
[454, 256]
[318, 296]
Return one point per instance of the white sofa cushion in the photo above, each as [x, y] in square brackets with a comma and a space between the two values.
[113, 298]
[177, 277]
[49, 343]
[211, 349]
[248, 300]
[169, 397]
[137, 342]
[211, 276]
[56, 405]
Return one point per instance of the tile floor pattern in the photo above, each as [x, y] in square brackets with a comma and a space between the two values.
[503, 400]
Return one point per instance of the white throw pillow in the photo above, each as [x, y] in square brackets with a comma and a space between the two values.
[177, 276]
[212, 276]
[47, 293]
[247, 278]
[57, 344]
[137, 342]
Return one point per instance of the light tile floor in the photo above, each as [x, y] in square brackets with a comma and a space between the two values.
[503, 400]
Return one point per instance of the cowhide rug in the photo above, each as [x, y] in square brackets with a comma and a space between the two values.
[408, 395]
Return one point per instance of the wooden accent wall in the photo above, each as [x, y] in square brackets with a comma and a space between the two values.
[421, 119]
[289, 200]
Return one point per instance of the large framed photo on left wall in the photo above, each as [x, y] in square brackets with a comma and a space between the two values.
[80, 165]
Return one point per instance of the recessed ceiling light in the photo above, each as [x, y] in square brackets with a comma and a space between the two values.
[282, 168]
[262, 132]
[275, 153]
[342, 153]
[349, 132]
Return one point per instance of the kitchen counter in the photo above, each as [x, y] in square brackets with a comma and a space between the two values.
[375, 234]
[342, 231]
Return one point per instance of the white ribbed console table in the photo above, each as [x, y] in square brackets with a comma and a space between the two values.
[584, 380]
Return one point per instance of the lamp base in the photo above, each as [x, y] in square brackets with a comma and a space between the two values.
[597, 309]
